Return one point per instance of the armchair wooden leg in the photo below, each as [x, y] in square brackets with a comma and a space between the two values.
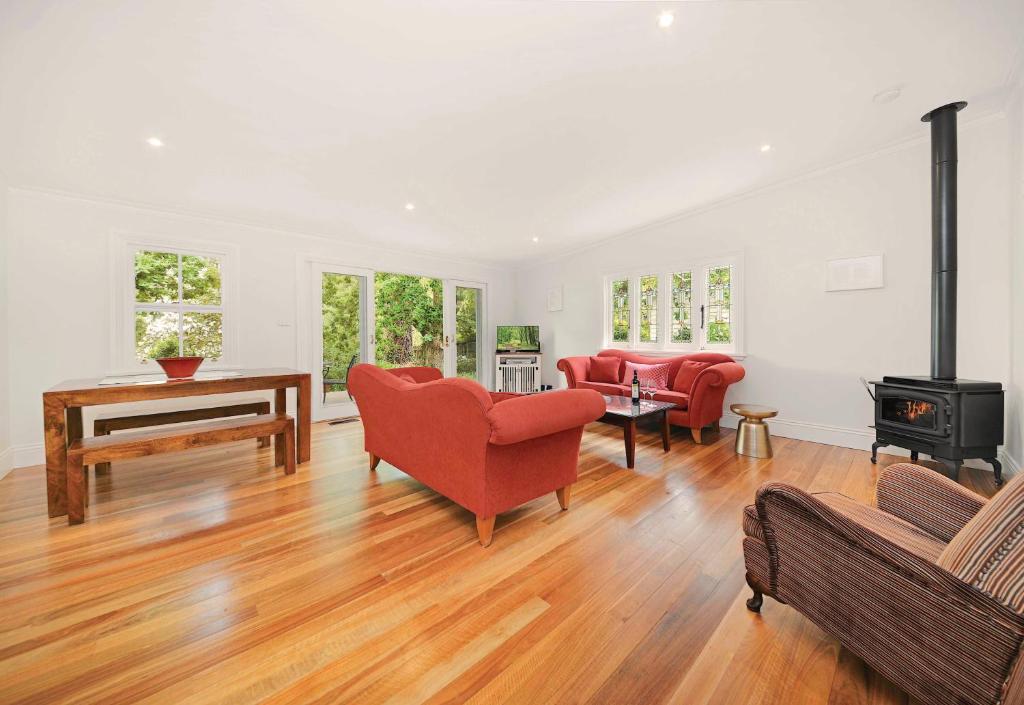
[374, 460]
[755, 601]
[484, 529]
[563, 496]
[695, 432]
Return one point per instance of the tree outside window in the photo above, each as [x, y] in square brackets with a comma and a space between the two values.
[620, 310]
[178, 305]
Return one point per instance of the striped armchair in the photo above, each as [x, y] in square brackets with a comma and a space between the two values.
[927, 587]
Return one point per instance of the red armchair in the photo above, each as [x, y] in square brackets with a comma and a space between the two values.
[698, 407]
[487, 452]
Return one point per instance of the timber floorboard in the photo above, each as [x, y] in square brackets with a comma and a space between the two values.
[212, 577]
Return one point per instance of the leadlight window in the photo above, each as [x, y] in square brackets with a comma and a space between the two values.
[649, 308]
[682, 307]
[719, 305]
[620, 310]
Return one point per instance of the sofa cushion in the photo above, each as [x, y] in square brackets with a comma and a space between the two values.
[988, 552]
[655, 375]
[604, 369]
[688, 371]
[615, 390]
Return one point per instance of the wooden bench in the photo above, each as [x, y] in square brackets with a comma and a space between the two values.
[135, 444]
[103, 425]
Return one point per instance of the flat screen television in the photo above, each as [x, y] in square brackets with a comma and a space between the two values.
[518, 339]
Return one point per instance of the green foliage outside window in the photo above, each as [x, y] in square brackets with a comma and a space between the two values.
[467, 352]
[410, 320]
[176, 282]
[649, 309]
[682, 307]
[620, 311]
[720, 305]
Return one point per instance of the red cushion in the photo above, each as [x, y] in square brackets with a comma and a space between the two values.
[653, 374]
[688, 371]
[604, 369]
[405, 377]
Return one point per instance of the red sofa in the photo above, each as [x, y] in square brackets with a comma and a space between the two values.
[699, 406]
[486, 451]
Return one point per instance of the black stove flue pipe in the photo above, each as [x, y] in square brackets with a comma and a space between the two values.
[943, 123]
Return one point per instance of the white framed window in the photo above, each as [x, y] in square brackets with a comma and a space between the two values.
[173, 298]
[692, 306]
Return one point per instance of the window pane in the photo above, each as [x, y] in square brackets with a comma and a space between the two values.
[720, 305]
[156, 277]
[200, 280]
[682, 307]
[341, 300]
[649, 308]
[410, 319]
[202, 334]
[467, 325]
[156, 334]
[620, 311]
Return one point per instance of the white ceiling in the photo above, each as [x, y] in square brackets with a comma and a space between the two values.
[501, 121]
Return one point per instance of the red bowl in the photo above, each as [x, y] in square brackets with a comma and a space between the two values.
[180, 367]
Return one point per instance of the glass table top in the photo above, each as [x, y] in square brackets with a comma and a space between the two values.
[623, 406]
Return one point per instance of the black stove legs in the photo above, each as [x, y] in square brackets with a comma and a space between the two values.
[874, 451]
[997, 468]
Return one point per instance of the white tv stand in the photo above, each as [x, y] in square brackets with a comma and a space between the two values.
[517, 372]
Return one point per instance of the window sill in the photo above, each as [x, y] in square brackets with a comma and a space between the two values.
[673, 353]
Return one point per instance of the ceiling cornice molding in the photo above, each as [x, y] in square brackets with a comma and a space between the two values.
[241, 222]
[808, 175]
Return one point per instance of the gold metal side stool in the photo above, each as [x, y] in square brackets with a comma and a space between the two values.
[752, 437]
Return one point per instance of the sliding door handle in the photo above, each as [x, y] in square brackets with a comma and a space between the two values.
[702, 316]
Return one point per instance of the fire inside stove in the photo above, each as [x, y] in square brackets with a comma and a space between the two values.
[912, 412]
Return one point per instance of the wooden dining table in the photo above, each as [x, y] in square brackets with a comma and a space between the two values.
[63, 403]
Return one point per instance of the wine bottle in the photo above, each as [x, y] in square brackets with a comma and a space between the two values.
[636, 388]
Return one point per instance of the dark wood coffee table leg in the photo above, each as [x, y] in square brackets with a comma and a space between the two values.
[666, 431]
[629, 436]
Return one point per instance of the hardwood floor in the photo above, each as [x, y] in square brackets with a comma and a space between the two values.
[211, 577]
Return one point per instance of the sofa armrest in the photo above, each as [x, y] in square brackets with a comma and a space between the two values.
[517, 420]
[576, 369]
[781, 507]
[708, 392]
[926, 499]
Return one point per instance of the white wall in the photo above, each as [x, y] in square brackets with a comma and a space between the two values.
[6, 454]
[806, 348]
[1015, 393]
[59, 252]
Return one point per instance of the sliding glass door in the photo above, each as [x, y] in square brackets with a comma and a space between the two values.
[341, 337]
[464, 330]
[391, 319]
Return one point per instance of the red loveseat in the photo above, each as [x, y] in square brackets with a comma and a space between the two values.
[699, 406]
[487, 452]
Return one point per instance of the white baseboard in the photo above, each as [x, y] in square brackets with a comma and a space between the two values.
[860, 439]
[31, 454]
[6, 461]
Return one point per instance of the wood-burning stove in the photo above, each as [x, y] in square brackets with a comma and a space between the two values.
[950, 419]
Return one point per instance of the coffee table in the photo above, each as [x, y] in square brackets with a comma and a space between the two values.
[622, 412]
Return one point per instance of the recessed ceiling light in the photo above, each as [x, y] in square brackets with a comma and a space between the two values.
[155, 142]
[766, 148]
[665, 19]
[410, 206]
[536, 239]
[887, 96]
